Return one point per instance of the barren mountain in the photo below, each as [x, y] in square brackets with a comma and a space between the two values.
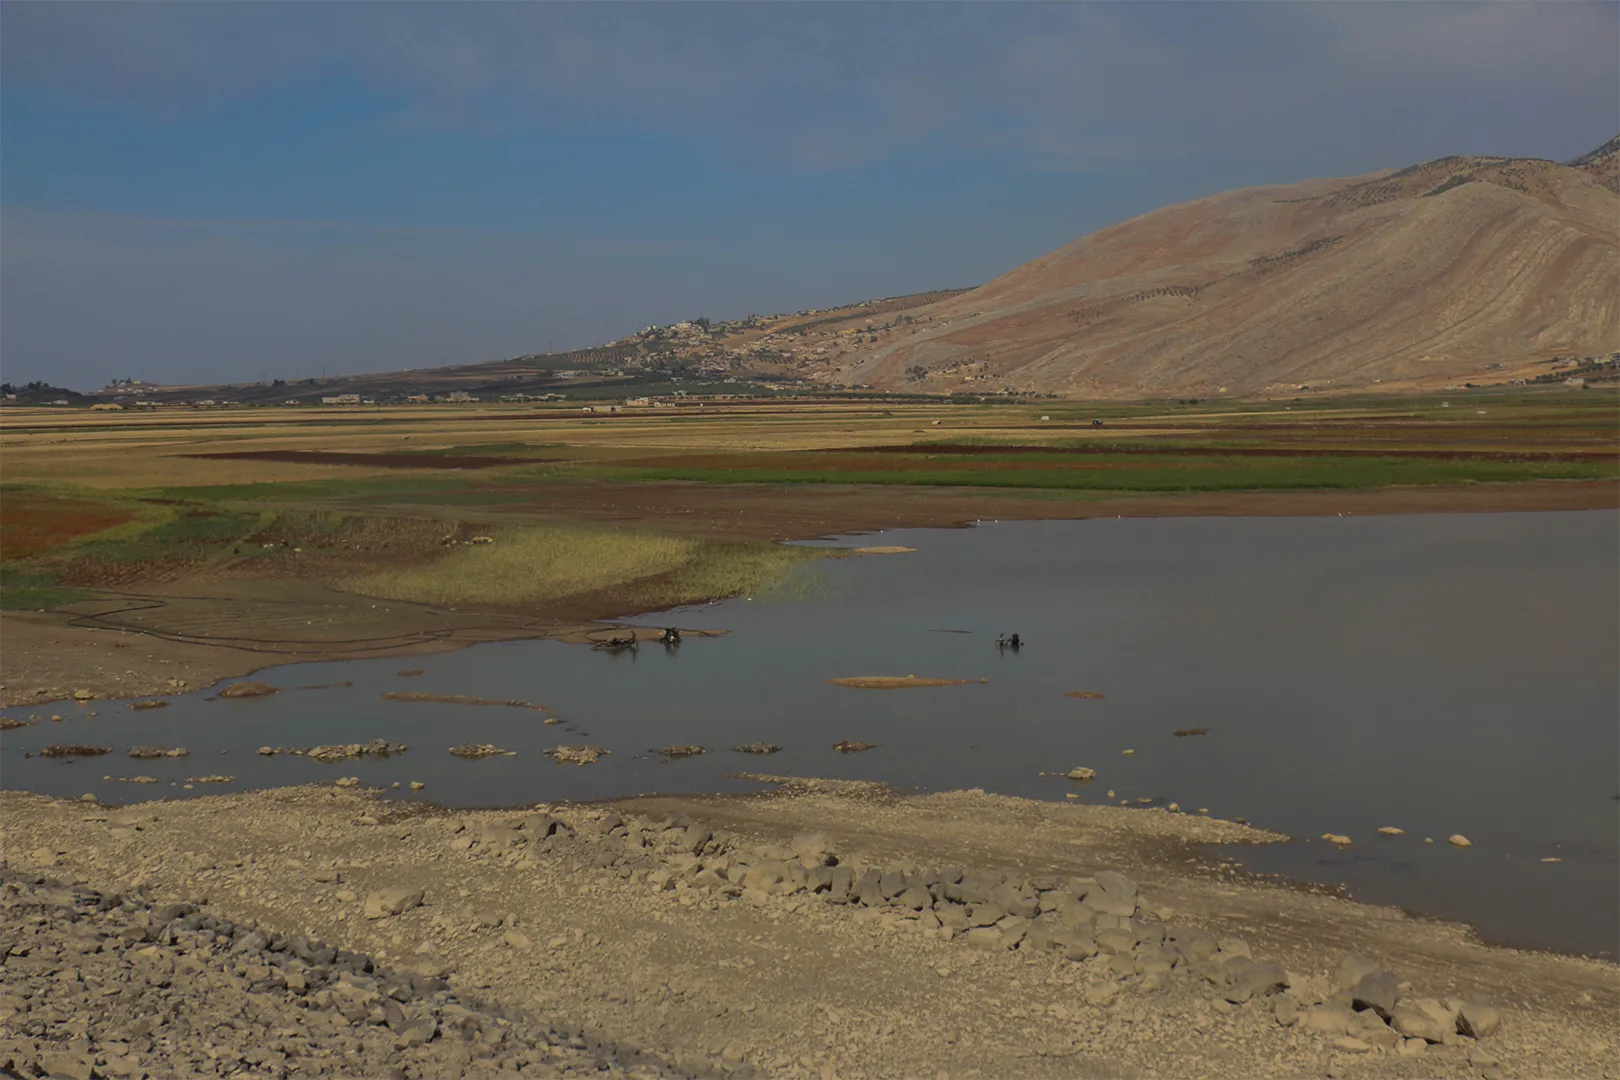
[1461, 267]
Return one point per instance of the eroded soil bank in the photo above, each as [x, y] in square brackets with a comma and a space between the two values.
[625, 920]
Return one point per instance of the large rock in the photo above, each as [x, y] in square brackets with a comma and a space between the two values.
[1256, 980]
[1370, 1028]
[1424, 1018]
[1352, 968]
[1378, 991]
[385, 903]
[1013, 900]
[1113, 894]
[812, 849]
[1327, 1020]
[1191, 942]
[1478, 1020]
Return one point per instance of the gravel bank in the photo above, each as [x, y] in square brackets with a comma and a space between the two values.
[717, 936]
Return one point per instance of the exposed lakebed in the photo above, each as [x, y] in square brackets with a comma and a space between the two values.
[1441, 674]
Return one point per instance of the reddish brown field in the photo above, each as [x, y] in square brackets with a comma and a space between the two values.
[31, 522]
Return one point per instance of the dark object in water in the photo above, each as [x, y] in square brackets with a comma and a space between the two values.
[616, 643]
[680, 751]
[756, 748]
[74, 750]
[408, 672]
[1009, 641]
[671, 636]
[1184, 732]
[149, 705]
[848, 747]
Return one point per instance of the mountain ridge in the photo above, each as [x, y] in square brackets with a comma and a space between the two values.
[1456, 267]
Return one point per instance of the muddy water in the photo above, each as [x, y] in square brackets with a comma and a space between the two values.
[1441, 674]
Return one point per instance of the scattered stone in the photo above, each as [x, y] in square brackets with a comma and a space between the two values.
[576, 755]
[1391, 830]
[153, 704]
[1182, 733]
[756, 748]
[1101, 995]
[65, 750]
[378, 748]
[417, 785]
[680, 750]
[1459, 840]
[148, 752]
[210, 779]
[385, 903]
[458, 699]
[1081, 773]
[480, 750]
[848, 747]
[249, 690]
[1337, 838]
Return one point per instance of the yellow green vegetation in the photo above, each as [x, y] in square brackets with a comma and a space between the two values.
[551, 562]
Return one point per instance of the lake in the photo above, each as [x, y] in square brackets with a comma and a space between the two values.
[1439, 673]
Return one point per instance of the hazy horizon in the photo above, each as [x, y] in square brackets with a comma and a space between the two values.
[211, 193]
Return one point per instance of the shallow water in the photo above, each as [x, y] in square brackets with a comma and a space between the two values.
[1442, 674]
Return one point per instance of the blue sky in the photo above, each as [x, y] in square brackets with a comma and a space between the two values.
[211, 192]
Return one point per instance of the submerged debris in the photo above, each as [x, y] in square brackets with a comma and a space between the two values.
[680, 750]
[8, 724]
[756, 748]
[480, 750]
[153, 704]
[61, 750]
[408, 672]
[209, 779]
[132, 779]
[576, 755]
[1088, 695]
[1184, 732]
[249, 689]
[849, 747]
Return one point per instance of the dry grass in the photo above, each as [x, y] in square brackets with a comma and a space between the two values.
[551, 562]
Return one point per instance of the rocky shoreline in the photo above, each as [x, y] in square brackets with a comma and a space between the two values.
[115, 985]
[733, 940]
